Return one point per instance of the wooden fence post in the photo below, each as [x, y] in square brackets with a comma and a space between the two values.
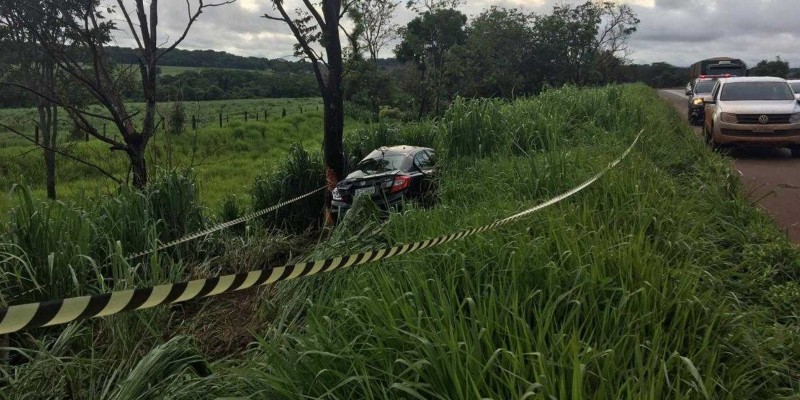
[220, 120]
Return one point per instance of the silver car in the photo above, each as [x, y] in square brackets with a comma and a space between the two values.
[796, 87]
[754, 111]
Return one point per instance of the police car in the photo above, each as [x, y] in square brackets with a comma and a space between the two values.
[698, 93]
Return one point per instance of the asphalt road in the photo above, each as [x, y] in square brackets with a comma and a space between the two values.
[771, 176]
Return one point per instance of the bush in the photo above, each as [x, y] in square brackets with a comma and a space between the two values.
[301, 173]
[231, 210]
[176, 119]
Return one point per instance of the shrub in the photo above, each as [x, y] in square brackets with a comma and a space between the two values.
[176, 119]
[302, 172]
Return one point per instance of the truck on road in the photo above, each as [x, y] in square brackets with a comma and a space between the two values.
[718, 66]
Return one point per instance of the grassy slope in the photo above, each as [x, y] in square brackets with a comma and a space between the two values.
[226, 160]
[659, 282]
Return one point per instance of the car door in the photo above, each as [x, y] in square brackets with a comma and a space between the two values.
[710, 108]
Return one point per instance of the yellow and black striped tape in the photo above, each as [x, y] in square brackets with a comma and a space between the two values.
[222, 226]
[34, 315]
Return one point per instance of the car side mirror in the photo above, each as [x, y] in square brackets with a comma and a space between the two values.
[688, 92]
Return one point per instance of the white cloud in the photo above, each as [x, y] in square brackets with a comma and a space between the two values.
[675, 31]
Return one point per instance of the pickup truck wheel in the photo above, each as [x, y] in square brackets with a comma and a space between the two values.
[709, 137]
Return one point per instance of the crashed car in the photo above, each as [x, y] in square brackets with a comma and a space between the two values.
[390, 176]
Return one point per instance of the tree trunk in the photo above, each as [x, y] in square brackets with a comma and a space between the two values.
[333, 99]
[48, 122]
[138, 164]
[137, 143]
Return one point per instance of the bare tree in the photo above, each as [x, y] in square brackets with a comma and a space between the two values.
[617, 23]
[375, 24]
[313, 25]
[88, 27]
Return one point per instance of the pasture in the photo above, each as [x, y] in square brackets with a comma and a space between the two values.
[226, 160]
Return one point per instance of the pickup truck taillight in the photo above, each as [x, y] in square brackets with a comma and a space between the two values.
[400, 183]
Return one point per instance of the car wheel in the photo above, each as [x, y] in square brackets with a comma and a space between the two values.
[795, 151]
[710, 139]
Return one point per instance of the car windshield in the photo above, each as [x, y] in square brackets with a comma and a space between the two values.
[795, 87]
[388, 162]
[704, 86]
[743, 91]
[725, 69]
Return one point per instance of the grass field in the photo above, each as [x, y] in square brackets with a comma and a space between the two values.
[660, 281]
[226, 159]
[172, 70]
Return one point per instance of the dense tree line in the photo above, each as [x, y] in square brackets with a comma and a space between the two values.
[216, 84]
[211, 59]
[502, 52]
[657, 75]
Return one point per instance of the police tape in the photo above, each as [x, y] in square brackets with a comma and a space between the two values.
[222, 226]
[57, 312]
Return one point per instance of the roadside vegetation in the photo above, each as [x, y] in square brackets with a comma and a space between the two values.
[660, 281]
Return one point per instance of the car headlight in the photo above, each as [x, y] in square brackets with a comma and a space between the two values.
[336, 195]
[698, 101]
[795, 118]
[728, 118]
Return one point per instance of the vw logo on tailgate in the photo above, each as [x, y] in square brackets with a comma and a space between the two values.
[763, 119]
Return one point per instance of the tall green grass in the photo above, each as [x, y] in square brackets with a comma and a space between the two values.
[656, 283]
[660, 281]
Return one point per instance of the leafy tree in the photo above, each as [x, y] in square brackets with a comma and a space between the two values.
[427, 41]
[574, 42]
[497, 56]
[368, 85]
[777, 68]
[25, 65]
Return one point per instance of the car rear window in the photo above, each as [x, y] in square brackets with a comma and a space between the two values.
[704, 86]
[795, 87]
[743, 91]
[388, 162]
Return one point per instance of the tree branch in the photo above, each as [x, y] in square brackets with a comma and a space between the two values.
[127, 16]
[302, 41]
[315, 13]
[192, 19]
[71, 157]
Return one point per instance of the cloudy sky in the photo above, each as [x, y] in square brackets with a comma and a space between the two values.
[676, 31]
